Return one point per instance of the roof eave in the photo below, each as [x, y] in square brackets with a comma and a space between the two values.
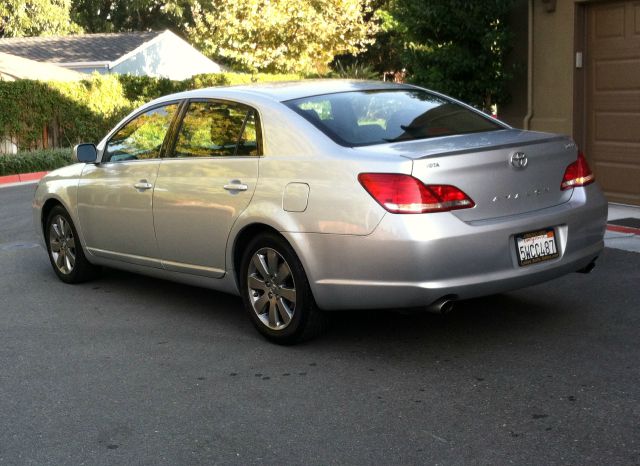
[83, 64]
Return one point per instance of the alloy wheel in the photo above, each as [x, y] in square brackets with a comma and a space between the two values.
[271, 288]
[62, 244]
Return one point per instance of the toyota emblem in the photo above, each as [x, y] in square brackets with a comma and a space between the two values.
[519, 160]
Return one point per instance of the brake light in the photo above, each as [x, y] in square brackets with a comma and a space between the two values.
[404, 194]
[577, 174]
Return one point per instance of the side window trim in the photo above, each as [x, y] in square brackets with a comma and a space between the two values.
[163, 147]
[181, 113]
[171, 138]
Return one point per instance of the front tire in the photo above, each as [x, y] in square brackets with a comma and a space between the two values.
[276, 292]
[65, 251]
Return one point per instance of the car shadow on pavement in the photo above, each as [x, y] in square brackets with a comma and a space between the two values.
[573, 307]
[470, 322]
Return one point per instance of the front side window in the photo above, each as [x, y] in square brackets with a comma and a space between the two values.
[211, 129]
[361, 118]
[142, 137]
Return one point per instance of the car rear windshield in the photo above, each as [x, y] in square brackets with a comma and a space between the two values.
[363, 118]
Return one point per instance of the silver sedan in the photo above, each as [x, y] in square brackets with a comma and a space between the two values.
[323, 195]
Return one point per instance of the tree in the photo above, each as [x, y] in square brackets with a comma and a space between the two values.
[385, 54]
[20, 18]
[457, 47]
[132, 15]
[281, 35]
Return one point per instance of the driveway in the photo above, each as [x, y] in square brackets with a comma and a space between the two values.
[133, 370]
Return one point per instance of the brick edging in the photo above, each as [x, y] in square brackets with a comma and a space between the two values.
[22, 177]
[622, 229]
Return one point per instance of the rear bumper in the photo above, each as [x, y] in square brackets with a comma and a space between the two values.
[413, 260]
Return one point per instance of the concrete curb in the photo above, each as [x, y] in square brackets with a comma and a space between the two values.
[21, 178]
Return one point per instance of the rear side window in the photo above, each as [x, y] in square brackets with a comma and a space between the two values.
[142, 137]
[364, 118]
[211, 129]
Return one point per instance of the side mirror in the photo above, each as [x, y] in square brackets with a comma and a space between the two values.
[85, 153]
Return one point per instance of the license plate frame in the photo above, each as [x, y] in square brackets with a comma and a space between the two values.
[534, 247]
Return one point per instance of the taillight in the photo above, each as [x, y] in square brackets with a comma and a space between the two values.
[404, 194]
[577, 174]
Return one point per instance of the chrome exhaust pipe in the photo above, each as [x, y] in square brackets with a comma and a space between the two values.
[442, 306]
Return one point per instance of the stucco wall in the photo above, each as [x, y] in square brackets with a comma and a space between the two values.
[168, 57]
[553, 67]
[514, 111]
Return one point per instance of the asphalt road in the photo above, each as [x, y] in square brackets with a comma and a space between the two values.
[133, 370]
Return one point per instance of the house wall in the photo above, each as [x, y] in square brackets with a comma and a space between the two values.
[595, 102]
[552, 70]
[514, 111]
[168, 57]
[553, 65]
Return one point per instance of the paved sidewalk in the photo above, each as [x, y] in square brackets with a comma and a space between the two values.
[629, 238]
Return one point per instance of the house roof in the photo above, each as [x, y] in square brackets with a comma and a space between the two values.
[81, 48]
[13, 68]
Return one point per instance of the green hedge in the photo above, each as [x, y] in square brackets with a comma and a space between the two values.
[86, 110]
[36, 161]
[141, 89]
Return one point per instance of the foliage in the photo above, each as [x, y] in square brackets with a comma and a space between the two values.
[281, 35]
[385, 54]
[354, 70]
[131, 15]
[87, 110]
[250, 35]
[79, 110]
[35, 18]
[36, 161]
[457, 47]
[139, 89]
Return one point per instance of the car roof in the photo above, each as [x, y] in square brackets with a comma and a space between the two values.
[288, 90]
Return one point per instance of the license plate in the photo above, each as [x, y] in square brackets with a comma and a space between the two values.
[536, 246]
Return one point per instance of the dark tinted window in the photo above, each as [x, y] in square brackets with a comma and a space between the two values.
[142, 137]
[216, 129]
[376, 117]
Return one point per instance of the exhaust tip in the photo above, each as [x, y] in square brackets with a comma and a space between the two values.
[442, 306]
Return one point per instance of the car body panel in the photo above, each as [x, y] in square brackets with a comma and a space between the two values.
[497, 188]
[355, 253]
[413, 260]
[59, 186]
[193, 212]
[116, 217]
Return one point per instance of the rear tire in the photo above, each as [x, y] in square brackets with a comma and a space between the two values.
[276, 292]
[65, 251]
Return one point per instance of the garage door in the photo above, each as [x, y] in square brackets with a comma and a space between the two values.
[613, 98]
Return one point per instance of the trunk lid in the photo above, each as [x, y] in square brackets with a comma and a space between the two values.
[481, 165]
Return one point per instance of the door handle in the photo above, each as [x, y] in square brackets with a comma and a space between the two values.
[143, 185]
[236, 185]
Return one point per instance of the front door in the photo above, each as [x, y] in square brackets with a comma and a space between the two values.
[115, 196]
[205, 185]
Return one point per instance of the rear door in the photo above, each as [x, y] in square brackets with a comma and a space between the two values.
[204, 185]
[115, 196]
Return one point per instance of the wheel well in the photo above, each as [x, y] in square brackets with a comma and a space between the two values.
[242, 240]
[46, 208]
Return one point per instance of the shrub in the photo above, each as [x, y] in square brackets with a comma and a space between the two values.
[140, 89]
[74, 111]
[86, 110]
[35, 161]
